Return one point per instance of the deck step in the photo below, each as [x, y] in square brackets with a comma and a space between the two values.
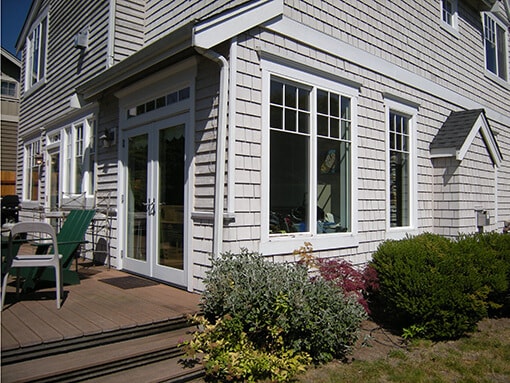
[18, 355]
[154, 358]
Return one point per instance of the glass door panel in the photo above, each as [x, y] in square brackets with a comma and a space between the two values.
[137, 201]
[171, 197]
[54, 180]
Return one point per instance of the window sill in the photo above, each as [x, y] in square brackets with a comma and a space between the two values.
[493, 77]
[286, 244]
[34, 88]
[451, 30]
[398, 233]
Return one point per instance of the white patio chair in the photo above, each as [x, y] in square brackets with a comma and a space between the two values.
[42, 231]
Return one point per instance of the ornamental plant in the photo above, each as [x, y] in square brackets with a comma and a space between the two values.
[439, 286]
[276, 311]
[351, 280]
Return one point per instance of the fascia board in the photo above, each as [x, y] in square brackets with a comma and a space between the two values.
[31, 16]
[481, 125]
[443, 153]
[461, 153]
[211, 32]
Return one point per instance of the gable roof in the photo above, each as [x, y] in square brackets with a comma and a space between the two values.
[458, 132]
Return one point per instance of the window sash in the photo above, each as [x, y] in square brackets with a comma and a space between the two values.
[8, 88]
[399, 171]
[33, 151]
[36, 57]
[495, 39]
[310, 148]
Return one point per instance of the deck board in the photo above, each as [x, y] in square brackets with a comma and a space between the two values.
[90, 308]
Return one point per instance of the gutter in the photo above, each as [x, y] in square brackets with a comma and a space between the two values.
[219, 193]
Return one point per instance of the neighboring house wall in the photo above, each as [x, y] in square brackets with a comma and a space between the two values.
[9, 121]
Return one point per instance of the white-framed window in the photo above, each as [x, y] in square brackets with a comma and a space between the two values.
[449, 15]
[9, 88]
[72, 153]
[401, 168]
[78, 153]
[32, 171]
[496, 46]
[36, 49]
[310, 146]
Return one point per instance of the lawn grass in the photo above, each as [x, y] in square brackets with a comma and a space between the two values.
[482, 357]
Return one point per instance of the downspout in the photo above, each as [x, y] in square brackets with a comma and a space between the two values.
[111, 35]
[219, 194]
[232, 96]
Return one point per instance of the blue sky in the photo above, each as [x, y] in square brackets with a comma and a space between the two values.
[13, 13]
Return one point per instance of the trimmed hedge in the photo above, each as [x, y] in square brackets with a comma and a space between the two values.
[433, 287]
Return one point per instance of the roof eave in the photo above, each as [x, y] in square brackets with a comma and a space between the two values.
[158, 52]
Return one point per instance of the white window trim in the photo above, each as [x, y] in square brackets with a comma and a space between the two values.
[488, 73]
[410, 111]
[27, 87]
[60, 145]
[285, 244]
[27, 201]
[452, 28]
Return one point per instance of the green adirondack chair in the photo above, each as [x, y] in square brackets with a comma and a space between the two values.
[70, 236]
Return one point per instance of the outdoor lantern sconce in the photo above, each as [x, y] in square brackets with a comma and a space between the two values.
[38, 159]
[107, 138]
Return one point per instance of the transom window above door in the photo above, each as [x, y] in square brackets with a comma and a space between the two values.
[159, 102]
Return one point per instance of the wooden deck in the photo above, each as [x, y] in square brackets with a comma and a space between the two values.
[107, 301]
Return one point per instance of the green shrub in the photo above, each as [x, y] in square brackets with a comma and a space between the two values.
[268, 298]
[437, 285]
[230, 355]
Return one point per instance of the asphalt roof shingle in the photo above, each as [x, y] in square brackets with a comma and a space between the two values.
[455, 129]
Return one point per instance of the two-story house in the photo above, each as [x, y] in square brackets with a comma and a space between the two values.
[218, 125]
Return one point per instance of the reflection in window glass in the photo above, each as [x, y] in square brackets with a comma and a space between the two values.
[294, 156]
[399, 170]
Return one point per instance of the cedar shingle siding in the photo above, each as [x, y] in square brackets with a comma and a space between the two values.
[390, 53]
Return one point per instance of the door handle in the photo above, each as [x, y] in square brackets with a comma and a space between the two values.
[152, 207]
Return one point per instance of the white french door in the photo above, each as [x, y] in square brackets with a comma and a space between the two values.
[154, 206]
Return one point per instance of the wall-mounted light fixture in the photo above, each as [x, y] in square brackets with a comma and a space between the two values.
[38, 159]
[81, 39]
[107, 138]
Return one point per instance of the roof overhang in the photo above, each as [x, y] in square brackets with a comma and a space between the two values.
[459, 152]
[161, 53]
[481, 5]
[13, 59]
[32, 15]
[180, 44]
[211, 32]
